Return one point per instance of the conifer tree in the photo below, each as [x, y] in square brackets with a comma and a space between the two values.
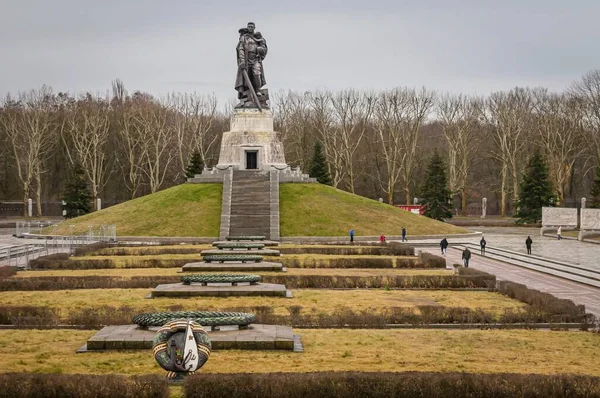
[77, 196]
[435, 195]
[594, 201]
[318, 167]
[195, 166]
[535, 190]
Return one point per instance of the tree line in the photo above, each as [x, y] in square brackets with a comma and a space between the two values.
[376, 144]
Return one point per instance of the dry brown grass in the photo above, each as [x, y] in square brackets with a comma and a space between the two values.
[487, 351]
[319, 301]
[129, 272]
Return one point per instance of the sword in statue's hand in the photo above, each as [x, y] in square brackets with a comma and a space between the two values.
[251, 88]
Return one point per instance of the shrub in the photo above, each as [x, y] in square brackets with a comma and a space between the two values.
[390, 249]
[431, 260]
[90, 248]
[291, 281]
[7, 272]
[374, 385]
[28, 316]
[17, 385]
[543, 304]
[62, 261]
[84, 282]
[479, 278]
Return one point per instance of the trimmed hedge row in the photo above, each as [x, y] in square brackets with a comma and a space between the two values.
[28, 385]
[7, 272]
[291, 281]
[63, 261]
[375, 385]
[390, 249]
[346, 317]
[546, 303]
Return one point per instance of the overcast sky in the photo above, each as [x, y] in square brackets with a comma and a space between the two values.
[470, 46]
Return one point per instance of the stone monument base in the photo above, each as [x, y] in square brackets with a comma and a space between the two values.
[255, 337]
[254, 252]
[220, 290]
[232, 266]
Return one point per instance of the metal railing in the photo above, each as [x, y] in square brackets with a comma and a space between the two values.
[45, 243]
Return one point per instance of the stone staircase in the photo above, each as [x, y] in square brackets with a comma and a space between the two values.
[250, 211]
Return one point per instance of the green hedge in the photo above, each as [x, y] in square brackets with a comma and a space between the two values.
[26, 385]
[375, 385]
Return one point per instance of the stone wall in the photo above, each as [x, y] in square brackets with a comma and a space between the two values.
[559, 217]
[590, 219]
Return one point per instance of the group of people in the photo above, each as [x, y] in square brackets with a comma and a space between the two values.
[466, 254]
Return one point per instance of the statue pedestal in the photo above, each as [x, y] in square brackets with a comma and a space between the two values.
[251, 143]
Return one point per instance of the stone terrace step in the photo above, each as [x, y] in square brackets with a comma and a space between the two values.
[250, 211]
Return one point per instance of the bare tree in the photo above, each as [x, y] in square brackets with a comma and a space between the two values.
[129, 138]
[588, 91]
[392, 109]
[30, 124]
[420, 105]
[155, 125]
[459, 119]
[194, 116]
[292, 111]
[352, 111]
[322, 121]
[85, 134]
[559, 125]
[509, 116]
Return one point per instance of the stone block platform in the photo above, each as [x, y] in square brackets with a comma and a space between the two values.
[256, 252]
[219, 290]
[256, 337]
[267, 243]
[232, 266]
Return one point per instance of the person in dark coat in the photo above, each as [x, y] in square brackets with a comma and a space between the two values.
[528, 243]
[482, 244]
[444, 246]
[466, 256]
[404, 234]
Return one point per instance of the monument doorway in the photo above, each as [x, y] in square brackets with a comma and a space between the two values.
[251, 160]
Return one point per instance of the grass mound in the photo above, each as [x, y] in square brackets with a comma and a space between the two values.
[182, 210]
[320, 210]
[306, 210]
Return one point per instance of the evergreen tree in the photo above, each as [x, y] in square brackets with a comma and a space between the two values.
[195, 166]
[318, 166]
[535, 191]
[77, 196]
[594, 201]
[435, 195]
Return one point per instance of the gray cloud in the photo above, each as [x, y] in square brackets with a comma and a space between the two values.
[184, 45]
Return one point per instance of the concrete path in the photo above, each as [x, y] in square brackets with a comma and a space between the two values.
[561, 288]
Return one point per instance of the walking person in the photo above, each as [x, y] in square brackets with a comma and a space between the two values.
[382, 238]
[559, 233]
[528, 243]
[482, 244]
[404, 234]
[444, 246]
[466, 256]
[352, 235]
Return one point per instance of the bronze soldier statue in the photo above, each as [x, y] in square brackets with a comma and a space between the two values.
[251, 51]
